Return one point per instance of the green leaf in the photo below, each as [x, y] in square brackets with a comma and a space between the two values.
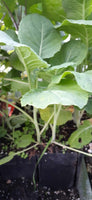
[82, 136]
[88, 107]
[18, 85]
[3, 132]
[67, 93]
[15, 62]
[24, 141]
[40, 35]
[64, 65]
[79, 29]
[63, 117]
[7, 40]
[27, 56]
[12, 34]
[77, 9]
[53, 10]
[10, 4]
[17, 120]
[73, 51]
[28, 4]
[84, 79]
[30, 59]
[83, 185]
[7, 158]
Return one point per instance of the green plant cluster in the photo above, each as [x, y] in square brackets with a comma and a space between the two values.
[48, 44]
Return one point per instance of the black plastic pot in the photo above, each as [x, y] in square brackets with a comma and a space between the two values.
[58, 171]
[18, 167]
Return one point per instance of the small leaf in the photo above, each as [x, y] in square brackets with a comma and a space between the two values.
[24, 141]
[17, 120]
[3, 132]
[82, 136]
[7, 158]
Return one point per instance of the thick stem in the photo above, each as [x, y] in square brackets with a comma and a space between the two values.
[56, 115]
[36, 124]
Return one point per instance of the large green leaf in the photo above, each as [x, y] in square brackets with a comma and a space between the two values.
[73, 51]
[77, 9]
[40, 35]
[82, 136]
[83, 79]
[67, 93]
[53, 10]
[79, 29]
[63, 117]
[30, 59]
[27, 56]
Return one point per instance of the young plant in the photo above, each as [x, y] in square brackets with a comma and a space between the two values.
[58, 71]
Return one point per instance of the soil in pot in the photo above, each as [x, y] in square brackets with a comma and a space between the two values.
[22, 189]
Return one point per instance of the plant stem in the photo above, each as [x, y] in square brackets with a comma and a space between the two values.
[56, 115]
[11, 16]
[27, 115]
[27, 149]
[76, 117]
[72, 149]
[36, 124]
[46, 124]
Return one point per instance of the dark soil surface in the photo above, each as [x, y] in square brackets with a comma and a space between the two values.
[22, 189]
